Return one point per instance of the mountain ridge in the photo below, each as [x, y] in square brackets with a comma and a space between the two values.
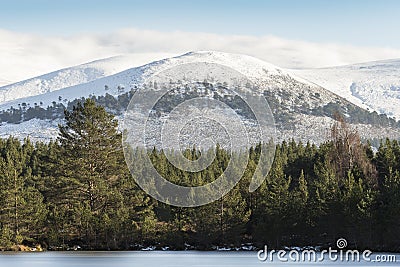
[247, 65]
[302, 108]
[71, 76]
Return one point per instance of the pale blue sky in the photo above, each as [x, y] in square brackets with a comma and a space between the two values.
[40, 36]
[354, 22]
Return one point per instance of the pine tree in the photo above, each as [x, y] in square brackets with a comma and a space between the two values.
[299, 205]
[90, 168]
[388, 212]
[273, 211]
[22, 212]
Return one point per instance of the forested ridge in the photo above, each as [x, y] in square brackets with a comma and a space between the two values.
[77, 190]
[283, 113]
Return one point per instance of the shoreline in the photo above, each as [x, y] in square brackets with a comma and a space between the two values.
[188, 248]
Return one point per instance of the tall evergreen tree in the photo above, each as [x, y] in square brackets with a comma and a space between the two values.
[22, 211]
[90, 169]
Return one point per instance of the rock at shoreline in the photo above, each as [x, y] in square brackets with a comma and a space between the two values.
[37, 248]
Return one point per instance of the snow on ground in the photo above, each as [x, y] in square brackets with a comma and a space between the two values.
[317, 129]
[375, 85]
[73, 76]
[371, 85]
[35, 129]
[89, 78]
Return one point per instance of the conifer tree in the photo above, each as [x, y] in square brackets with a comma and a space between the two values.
[90, 168]
[22, 210]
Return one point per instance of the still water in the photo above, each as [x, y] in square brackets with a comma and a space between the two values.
[155, 259]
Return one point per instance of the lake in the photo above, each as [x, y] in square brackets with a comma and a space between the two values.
[154, 259]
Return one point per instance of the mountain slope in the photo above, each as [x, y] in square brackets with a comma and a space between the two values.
[301, 109]
[72, 76]
[372, 85]
[259, 72]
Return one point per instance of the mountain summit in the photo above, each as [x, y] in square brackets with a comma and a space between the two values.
[302, 109]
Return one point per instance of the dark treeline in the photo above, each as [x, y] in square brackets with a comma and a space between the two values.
[77, 190]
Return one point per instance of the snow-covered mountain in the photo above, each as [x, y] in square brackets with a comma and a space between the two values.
[63, 78]
[84, 74]
[301, 109]
[371, 85]
[92, 80]
[72, 76]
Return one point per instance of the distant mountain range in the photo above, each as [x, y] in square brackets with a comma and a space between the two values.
[303, 102]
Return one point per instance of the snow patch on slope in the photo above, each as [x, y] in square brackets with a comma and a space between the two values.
[373, 85]
[35, 129]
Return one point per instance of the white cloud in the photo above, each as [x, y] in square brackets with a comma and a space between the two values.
[26, 55]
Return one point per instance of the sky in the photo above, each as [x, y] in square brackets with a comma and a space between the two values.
[38, 36]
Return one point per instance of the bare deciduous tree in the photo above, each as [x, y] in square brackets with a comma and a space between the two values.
[348, 151]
